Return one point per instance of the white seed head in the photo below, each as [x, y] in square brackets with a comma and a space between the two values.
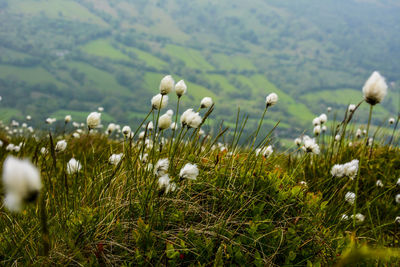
[206, 102]
[157, 103]
[111, 128]
[126, 130]
[379, 183]
[391, 121]
[189, 171]
[67, 118]
[375, 89]
[115, 159]
[93, 120]
[351, 108]
[61, 146]
[297, 141]
[164, 122]
[323, 118]
[170, 112]
[317, 130]
[191, 119]
[167, 85]
[21, 180]
[271, 99]
[73, 166]
[316, 121]
[51, 120]
[161, 167]
[397, 198]
[350, 197]
[180, 88]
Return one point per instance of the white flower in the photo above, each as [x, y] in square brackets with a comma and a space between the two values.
[266, 151]
[191, 119]
[141, 135]
[351, 169]
[115, 159]
[126, 130]
[375, 89]
[170, 112]
[156, 102]
[359, 217]
[180, 88]
[364, 132]
[171, 187]
[75, 124]
[398, 182]
[337, 138]
[344, 217]
[391, 120]
[163, 181]
[1, 143]
[324, 128]
[397, 198]
[206, 102]
[24, 125]
[317, 130]
[310, 146]
[379, 183]
[167, 85]
[271, 99]
[144, 158]
[329, 109]
[370, 141]
[358, 133]
[351, 108]
[73, 166]
[303, 183]
[51, 120]
[150, 126]
[93, 120]
[67, 118]
[350, 197]
[397, 220]
[100, 109]
[21, 180]
[61, 146]
[297, 141]
[111, 128]
[189, 171]
[161, 167]
[337, 170]
[323, 118]
[164, 122]
[28, 118]
[10, 147]
[44, 151]
[76, 135]
[174, 126]
[316, 121]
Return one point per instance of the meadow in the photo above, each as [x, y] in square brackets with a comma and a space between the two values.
[171, 191]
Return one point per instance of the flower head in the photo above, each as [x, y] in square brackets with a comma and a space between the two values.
[67, 118]
[159, 101]
[164, 122]
[317, 130]
[375, 89]
[379, 183]
[297, 141]
[189, 171]
[266, 151]
[271, 99]
[126, 130]
[391, 120]
[350, 197]
[73, 166]
[161, 167]
[93, 120]
[206, 102]
[167, 85]
[180, 88]
[21, 180]
[115, 159]
[397, 198]
[323, 118]
[316, 121]
[310, 146]
[61, 146]
[191, 119]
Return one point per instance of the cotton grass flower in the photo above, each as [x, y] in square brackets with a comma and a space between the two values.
[21, 181]
[174, 126]
[375, 89]
[398, 182]
[100, 109]
[159, 101]
[180, 88]
[344, 217]
[126, 131]
[206, 102]
[73, 166]
[161, 167]
[61, 146]
[323, 118]
[170, 112]
[316, 121]
[115, 159]
[310, 146]
[51, 120]
[317, 130]
[67, 119]
[351, 108]
[379, 183]
[271, 100]
[391, 121]
[266, 151]
[191, 119]
[93, 120]
[189, 171]
[297, 141]
[111, 128]
[349, 169]
[358, 133]
[397, 198]
[350, 197]
[164, 122]
[359, 217]
[76, 135]
[167, 85]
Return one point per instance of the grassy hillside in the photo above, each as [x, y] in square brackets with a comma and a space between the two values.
[80, 54]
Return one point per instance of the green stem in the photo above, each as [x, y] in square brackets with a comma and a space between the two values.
[259, 127]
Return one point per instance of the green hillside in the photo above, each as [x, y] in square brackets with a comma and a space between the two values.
[77, 55]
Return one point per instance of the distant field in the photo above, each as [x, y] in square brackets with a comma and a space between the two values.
[192, 58]
[103, 48]
[31, 75]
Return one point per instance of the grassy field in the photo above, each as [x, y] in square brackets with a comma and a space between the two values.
[199, 198]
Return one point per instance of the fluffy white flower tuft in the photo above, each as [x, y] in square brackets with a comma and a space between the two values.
[93, 120]
[157, 103]
[111, 128]
[180, 88]
[164, 122]
[189, 171]
[351, 108]
[379, 183]
[161, 167]
[73, 166]
[316, 121]
[191, 119]
[323, 118]
[206, 102]
[310, 146]
[167, 85]
[61, 146]
[391, 121]
[350, 197]
[67, 118]
[51, 120]
[115, 159]
[375, 89]
[397, 198]
[271, 99]
[170, 112]
[359, 217]
[266, 151]
[297, 141]
[21, 180]
[317, 130]
[126, 131]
